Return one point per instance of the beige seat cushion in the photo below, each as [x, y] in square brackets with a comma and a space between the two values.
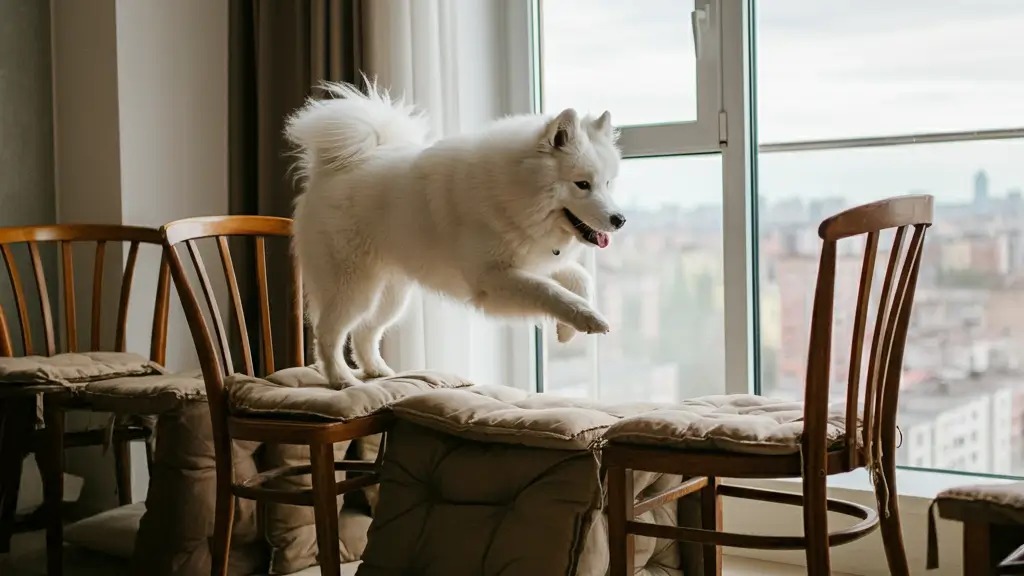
[302, 392]
[75, 369]
[154, 394]
[734, 423]
[994, 503]
[510, 416]
[111, 532]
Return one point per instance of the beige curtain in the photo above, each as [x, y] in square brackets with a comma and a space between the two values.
[279, 51]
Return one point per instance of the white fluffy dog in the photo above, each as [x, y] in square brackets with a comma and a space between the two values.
[494, 219]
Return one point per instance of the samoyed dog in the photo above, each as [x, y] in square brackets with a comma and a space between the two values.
[494, 219]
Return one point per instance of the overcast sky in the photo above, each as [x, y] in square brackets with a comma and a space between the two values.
[826, 69]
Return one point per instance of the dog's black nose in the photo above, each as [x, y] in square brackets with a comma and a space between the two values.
[618, 220]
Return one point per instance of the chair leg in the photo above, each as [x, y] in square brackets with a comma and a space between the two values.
[123, 470]
[15, 434]
[149, 457]
[50, 456]
[711, 519]
[620, 510]
[816, 523]
[978, 550]
[223, 523]
[325, 508]
[889, 513]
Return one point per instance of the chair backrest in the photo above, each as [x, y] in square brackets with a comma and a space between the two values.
[905, 216]
[38, 238]
[215, 348]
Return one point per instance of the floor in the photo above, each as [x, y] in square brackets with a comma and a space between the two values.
[734, 565]
[738, 566]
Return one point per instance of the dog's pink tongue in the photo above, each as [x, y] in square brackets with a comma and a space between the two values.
[603, 240]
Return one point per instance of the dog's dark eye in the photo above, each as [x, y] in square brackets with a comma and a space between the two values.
[582, 185]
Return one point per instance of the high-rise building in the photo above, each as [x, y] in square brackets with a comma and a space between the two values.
[980, 188]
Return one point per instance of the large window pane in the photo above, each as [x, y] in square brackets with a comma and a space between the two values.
[841, 68]
[962, 393]
[660, 286]
[634, 58]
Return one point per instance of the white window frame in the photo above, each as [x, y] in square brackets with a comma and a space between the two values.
[722, 126]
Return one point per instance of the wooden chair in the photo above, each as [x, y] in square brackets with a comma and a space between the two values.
[216, 360]
[869, 438]
[19, 400]
[992, 518]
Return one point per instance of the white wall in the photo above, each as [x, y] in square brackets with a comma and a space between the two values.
[140, 108]
[172, 63]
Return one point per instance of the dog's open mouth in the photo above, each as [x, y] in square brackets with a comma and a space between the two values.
[588, 234]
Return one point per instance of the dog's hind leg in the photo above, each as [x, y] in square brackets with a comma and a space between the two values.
[367, 336]
[338, 314]
[575, 279]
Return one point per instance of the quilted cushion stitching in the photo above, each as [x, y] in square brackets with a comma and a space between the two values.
[449, 426]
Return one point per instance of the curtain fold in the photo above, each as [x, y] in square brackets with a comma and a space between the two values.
[279, 52]
[444, 57]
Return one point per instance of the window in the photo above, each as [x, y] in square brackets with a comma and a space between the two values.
[661, 282]
[709, 286]
[659, 285]
[587, 43]
[862, 100]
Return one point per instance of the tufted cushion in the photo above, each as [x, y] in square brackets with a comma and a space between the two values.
[734, 423]
[506, 415]
[490, 480]
[994, 503]
[144, 394]
[302, 392]
[75, 369]
[180, 501]
[110, 532]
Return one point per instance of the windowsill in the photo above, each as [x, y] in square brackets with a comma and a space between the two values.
[913, 486]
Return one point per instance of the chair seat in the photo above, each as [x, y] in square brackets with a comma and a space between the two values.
[739, 423]
[302, 392]
[154, 394]
[994, 503]
[75, 369]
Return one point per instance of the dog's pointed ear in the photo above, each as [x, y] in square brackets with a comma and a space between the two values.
[562, 129]
[603, 124]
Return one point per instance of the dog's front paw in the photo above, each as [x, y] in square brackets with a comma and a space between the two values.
[590, 322]
[564, 332]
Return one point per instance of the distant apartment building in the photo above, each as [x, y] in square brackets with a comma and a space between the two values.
[966, 426]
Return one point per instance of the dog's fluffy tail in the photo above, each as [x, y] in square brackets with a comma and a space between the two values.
[337, 133]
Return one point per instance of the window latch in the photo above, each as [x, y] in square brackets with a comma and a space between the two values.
[699, 23]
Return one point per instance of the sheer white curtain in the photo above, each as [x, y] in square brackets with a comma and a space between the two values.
[445, 56]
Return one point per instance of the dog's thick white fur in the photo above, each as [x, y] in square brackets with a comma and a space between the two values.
[479, 217]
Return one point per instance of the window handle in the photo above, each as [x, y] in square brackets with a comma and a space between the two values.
[699, 24]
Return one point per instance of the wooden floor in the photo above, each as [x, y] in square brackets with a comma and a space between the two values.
[734, 565]
[738, 566]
